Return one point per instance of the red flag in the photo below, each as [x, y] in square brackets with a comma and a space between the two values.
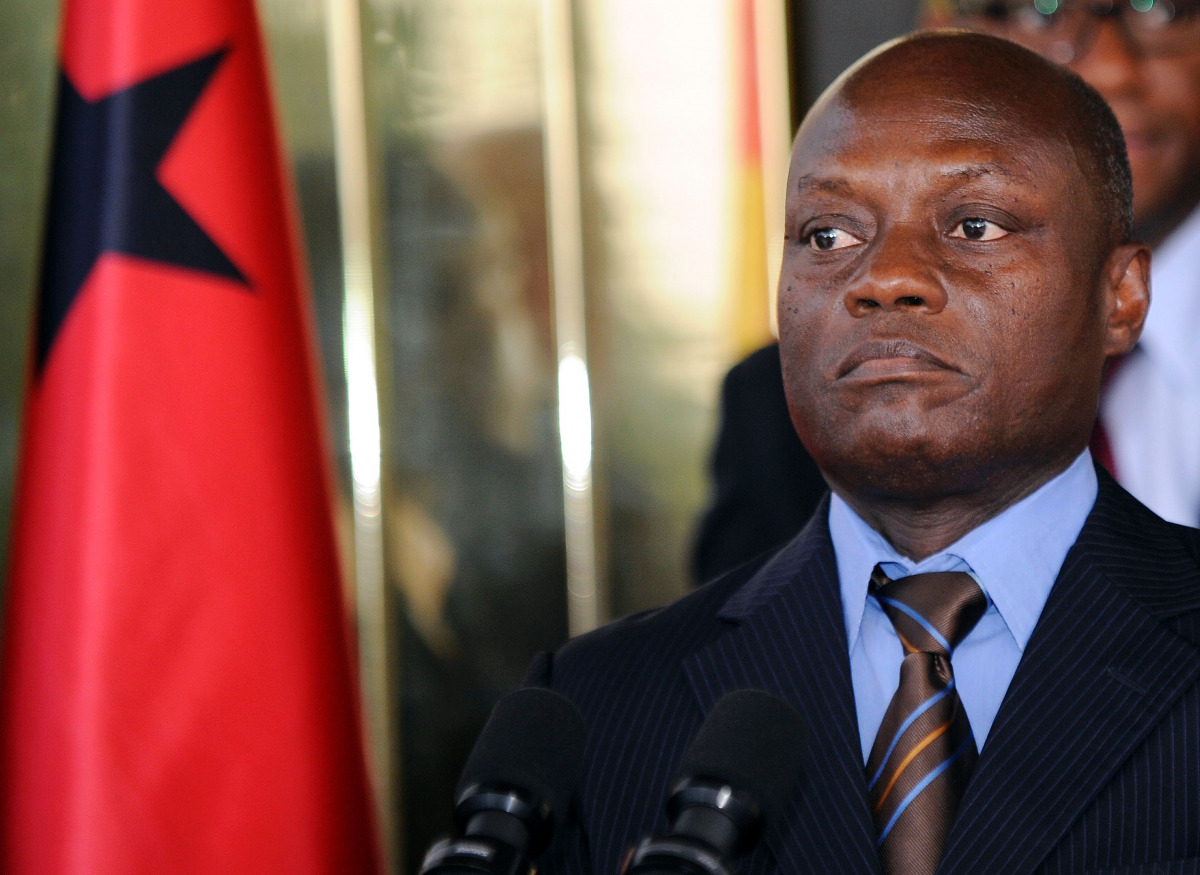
[177, 690]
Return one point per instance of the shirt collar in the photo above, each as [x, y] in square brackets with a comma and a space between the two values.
[1172, 331]
[1015, 556]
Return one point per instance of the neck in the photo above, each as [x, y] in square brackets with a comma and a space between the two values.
[919, 526]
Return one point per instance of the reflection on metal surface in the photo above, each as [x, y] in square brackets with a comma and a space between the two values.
[657, 97]
[586, 592]
[363, 394]
[481, 80]
[575, 422]
[656, 93]
[575, 435]
[472, 475]
[351, 156]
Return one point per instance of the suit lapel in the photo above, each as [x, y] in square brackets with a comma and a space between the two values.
[1100, 672]
[789, 639]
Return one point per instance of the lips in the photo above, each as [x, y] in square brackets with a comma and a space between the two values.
[888, 359]
[1143, 133]
[1142, 140]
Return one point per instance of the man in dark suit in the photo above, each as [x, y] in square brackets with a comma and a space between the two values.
[957, 269]
[1144, 58]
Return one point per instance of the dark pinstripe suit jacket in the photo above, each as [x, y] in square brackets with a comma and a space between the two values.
[1092, 764]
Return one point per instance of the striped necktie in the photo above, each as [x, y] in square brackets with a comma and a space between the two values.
[924, 752]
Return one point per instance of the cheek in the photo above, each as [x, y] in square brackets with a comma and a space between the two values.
[1175, 102]
[804, 312]
[1021, 333]
[1007, 314]
[798, 339]
[809, 348]
[1010, 322]
[1039, 361]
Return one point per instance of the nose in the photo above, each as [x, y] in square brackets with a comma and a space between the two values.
[1112, 62]
[897, 273]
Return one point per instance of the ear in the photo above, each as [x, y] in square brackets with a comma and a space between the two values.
[1127, 297]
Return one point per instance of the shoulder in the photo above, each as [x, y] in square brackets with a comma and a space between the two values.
[1120, 524]
[644, 648]
[644, 683]
[648, 648]
[629, 683]
[1155, 562]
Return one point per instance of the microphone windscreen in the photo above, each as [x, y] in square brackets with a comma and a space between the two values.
[754, 742]
[533, 740]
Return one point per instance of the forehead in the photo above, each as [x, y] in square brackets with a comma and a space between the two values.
[893, 131]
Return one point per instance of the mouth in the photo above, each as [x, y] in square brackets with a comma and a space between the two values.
[1142, 134]
[884, 360]
[1139, 141]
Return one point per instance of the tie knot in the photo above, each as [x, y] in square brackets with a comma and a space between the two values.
[932, 613]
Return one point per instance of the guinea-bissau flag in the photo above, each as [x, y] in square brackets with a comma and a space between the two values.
[178, 692]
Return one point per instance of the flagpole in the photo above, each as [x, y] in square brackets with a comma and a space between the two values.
[352, 159]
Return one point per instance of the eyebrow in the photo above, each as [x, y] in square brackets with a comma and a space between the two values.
[978, 171]
[808, 182]
[967, 173]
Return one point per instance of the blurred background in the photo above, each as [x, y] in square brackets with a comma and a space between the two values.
[567, 227]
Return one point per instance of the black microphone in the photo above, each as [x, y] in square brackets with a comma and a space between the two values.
[515, 788]
[735, 777]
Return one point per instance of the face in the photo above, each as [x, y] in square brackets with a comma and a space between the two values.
[946, 303]
[1156, 98]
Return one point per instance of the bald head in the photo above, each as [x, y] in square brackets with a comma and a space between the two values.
[990, 79]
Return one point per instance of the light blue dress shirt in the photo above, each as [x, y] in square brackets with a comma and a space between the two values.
[1014, 556]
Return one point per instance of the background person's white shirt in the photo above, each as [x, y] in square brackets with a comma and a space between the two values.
[1151, 408]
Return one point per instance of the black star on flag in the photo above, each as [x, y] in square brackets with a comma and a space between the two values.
[105, 195]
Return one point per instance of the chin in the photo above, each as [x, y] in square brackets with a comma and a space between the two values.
[897, 469]
[920, 480]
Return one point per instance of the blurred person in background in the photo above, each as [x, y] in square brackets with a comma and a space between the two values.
[1143, 56]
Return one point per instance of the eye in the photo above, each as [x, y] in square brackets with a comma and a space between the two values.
[975, 228]
[826, 239]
